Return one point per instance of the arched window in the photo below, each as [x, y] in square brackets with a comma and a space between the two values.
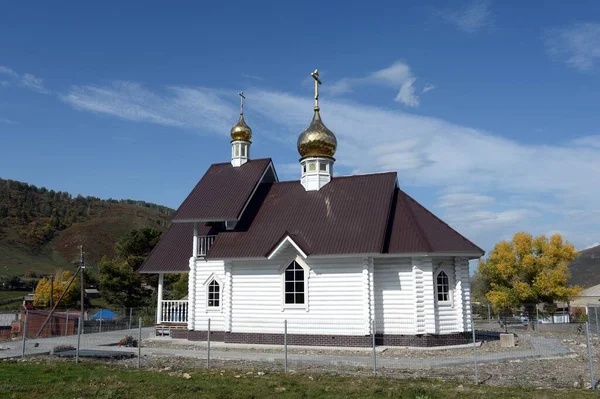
[294, 284]
[213, 295]
[443, 287]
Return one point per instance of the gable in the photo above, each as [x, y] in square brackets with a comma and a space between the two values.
[224, 191]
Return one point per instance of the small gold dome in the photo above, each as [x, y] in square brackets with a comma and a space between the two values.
[241, 131]
[317, 140]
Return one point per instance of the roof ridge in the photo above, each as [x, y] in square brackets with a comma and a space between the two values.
[441, 221]
[248, 161]
[366, 174]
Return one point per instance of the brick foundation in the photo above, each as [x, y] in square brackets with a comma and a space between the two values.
[328, 340]
[424, 340]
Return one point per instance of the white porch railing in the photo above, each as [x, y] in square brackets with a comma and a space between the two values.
[204, 243]
[174, 312]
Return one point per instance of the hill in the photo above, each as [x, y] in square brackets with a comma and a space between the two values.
[41, 229]
[585, 269]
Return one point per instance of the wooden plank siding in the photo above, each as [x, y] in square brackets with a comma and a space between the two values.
[343, 294]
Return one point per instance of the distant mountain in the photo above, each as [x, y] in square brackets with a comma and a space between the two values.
[41, 229]
[585, 269]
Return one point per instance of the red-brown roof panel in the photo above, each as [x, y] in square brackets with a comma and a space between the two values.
[173, 252]
[415, 229]
[222, 192]
[349, 215]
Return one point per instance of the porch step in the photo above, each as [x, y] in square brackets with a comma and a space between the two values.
[164, 330]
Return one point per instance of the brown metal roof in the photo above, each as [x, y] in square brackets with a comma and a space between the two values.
[365, 214]
[348, 215]
[173, 252]
[222, 192]
[415, 229]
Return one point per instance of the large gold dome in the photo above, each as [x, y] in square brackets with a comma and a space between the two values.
[241, 131]
[317, 140]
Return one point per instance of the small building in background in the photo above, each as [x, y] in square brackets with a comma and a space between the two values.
[589, 296]
[92, 293]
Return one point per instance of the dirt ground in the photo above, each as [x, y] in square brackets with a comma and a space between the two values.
[568, 371]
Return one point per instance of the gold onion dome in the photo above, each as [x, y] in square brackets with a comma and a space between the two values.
[241, 131]
[317, 140]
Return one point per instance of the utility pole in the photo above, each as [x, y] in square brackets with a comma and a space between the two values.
[82, 267]
[51, 291]
[51, 302]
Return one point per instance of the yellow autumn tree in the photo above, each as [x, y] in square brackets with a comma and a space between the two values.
[528, 271]
[61, 280]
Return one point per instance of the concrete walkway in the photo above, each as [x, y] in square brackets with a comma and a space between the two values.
[541, 348]
[40, 346]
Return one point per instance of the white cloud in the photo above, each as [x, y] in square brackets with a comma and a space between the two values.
[428, 87]
[471, 18]
[7, 71]
[253, 77]
[7, 121]
[588, 141]
[34, 83]
[178, 106]
[578, 45]
[398, 76]
[464, 200]
[489, 187]
[26, 80]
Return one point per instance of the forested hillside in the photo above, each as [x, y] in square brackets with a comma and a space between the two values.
[41, 229]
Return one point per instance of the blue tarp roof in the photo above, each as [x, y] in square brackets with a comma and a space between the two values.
[104, 314]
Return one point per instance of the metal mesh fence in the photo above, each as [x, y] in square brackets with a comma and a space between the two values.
[562, 355]
[593, 313]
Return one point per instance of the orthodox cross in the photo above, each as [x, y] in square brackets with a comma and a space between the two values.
[242, 98]
[315, 76]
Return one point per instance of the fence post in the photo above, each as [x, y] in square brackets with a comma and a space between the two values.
[208, 346]
[79, 328]
[285, 355]
[474, 351]
[374, 350]
[100, 322]
[67, 324]
[596, 314]
[139, 345]
[24, 333]
[130, 317]
[589, 351]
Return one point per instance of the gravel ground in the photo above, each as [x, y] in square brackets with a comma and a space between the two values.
[562, 372]
[567, 371]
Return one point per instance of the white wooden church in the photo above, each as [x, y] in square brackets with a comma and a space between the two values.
[327, 254]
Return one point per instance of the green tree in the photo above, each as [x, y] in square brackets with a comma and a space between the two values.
[527, 271]
[120, 283]
[180, 287]
[136, 245]
[121, 286]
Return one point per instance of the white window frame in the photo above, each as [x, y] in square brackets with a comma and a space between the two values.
[211, 278]
[306, 268]
[450, 301]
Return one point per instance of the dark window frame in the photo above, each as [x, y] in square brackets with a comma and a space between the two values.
[213, 295]
[442, 282]
[294, 285]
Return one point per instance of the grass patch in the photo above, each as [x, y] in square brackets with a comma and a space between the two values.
[37, 379]
[12, 294]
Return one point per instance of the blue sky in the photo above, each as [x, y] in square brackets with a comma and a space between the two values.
[488, 110]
